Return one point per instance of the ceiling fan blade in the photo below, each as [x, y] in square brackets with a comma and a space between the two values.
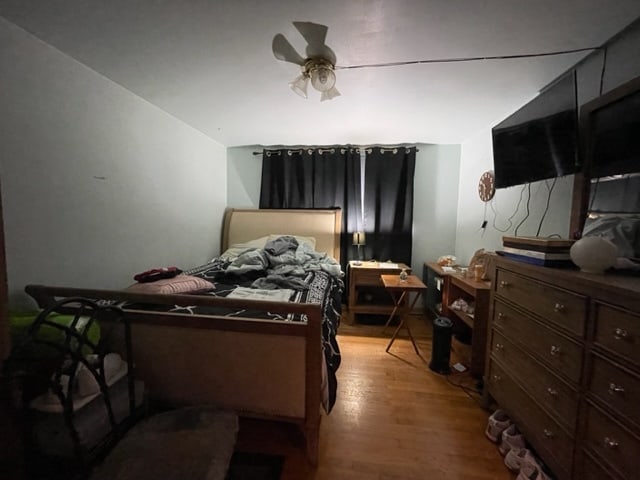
[316, 35]
[283, 50]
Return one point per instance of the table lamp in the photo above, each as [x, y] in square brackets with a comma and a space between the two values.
[359, 240]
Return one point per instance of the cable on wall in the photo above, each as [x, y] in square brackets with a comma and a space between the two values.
[602, 70]
[467, 59]
[546, 208]
[515, 232]
[510, 219]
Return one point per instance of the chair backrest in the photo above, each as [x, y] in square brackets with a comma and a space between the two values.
[69, 379]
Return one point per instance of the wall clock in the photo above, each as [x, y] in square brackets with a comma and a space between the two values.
[487, 186]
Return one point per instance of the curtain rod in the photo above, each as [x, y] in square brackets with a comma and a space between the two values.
[324, 148]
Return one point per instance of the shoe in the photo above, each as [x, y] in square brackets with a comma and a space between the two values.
[511, 438]
[497, 423]
[517, 458]
[530, 471]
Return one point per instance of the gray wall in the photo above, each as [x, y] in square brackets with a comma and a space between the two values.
[435, 195]
[97, 183]
[244, 171]
[623, 64]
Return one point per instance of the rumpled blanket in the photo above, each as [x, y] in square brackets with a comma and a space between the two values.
[284, 256]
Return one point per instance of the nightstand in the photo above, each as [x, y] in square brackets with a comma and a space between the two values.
[366, 291]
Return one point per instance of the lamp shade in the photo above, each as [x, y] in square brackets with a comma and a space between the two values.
[329, 94]
[322, 78]
[358, 238]
[299, 85]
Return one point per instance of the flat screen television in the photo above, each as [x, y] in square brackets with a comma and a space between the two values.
[540, 140]
[612, 128]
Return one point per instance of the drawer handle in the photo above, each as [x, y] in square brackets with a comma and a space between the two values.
[554, 350]
[501, 316]
[552, 391]
[499, 347]
[610, 443]
[496, 378]
[620, 333]
[504, 284]
[613, 388]
[558, 308]
[548, 433]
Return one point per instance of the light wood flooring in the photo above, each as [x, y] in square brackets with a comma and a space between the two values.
[393, 418]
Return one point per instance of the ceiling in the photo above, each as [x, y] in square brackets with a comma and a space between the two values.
[210, 63]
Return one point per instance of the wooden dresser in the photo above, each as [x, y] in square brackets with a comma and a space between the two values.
[564, 363]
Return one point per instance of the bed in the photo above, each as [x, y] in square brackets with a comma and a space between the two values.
[193, 349]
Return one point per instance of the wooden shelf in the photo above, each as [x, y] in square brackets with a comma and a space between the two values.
[466, 318]
[456, 285]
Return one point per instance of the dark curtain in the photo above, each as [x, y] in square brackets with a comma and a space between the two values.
[315, 178]
[287, 179]
[388, 203]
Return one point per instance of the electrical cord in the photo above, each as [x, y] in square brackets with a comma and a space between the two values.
[473, 392]
[510, 219]
[604, 65]
[515, 232]
[467, 59]
[546, 209]
[594, 193]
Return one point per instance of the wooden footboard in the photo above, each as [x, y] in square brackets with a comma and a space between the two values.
[259, 368]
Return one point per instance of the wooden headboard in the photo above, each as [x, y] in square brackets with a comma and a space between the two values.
[241, 225]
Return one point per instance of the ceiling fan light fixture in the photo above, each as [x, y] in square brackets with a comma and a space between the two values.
[322, 77]
[329, 94]
[300, 84]
[319, 72]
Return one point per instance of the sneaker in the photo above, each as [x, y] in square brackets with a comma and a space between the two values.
[517, 458]
[497, 423]
[530, 471]
[511, 438]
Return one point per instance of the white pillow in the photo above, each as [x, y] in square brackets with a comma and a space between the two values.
[235, 250]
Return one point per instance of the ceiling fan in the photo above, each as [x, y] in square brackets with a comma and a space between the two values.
[317, 65]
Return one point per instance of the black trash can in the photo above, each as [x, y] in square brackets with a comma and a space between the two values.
[441, 348]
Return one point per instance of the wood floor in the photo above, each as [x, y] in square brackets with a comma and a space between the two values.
[393, 419]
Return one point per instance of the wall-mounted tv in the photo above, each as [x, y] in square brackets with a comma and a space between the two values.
[612, 128]
[540, 140]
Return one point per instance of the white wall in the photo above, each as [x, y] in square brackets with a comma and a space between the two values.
[244, 172]
[97, 183]
[623, 64]
[435, 195]
[435, 202]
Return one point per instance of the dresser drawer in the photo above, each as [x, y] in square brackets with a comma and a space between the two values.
[545, 388]
[557, 351]
[369, 278]
[555, 305]
[548, 438]
[616, 387]
[588, 469]
[615, 445]
[619, 331]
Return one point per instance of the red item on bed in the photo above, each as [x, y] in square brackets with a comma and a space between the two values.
[157, 274]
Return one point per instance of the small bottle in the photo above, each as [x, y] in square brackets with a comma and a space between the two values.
[478, 271]
[403, 275]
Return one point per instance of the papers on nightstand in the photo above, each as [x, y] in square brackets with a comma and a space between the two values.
[387, 265]
[448, 269]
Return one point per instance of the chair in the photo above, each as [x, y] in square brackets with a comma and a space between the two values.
[81, 406]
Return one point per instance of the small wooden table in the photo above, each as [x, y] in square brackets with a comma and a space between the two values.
[398, 289]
